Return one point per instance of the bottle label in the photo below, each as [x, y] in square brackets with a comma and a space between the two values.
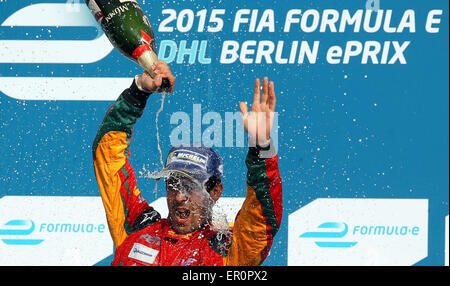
[119, 10]
[95, 10]
[140, 50]
[146, 39]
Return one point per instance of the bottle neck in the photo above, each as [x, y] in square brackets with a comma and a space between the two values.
[146, 60]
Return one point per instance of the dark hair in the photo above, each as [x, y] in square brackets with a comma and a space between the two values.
[212, 182]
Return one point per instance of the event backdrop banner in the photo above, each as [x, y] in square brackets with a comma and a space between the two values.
[361, 125]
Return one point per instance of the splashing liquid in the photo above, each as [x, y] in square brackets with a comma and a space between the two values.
[161, 108]
[154, 174]
[220, 222]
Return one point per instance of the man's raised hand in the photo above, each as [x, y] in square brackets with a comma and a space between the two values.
[259, 122]
[162, 70]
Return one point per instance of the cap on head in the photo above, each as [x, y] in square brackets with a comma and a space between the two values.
[197, 162]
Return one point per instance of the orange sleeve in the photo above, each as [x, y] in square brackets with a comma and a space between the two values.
[125, 208]
[260, 216]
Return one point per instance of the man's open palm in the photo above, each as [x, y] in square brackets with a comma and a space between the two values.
[258, 123]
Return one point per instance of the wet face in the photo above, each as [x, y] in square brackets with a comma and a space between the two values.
[190, 206]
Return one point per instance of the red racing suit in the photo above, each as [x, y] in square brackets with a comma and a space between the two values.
[141, 237]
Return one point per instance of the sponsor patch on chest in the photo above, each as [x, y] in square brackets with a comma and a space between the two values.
[143, 253]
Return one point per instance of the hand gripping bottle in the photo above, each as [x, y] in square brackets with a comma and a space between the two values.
[128, 30]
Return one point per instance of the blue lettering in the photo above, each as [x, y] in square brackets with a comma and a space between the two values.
[168, 52]
[184, 51]
[385, 230]
[404, 230]
[364, 229]
[202, 52]
[172, 46]
[390, 230]
[50, 227]
[379, 230]
[67, 227]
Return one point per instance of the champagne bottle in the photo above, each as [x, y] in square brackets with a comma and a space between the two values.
[129, 31]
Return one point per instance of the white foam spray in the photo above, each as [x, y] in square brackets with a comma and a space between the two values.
[161, 108]
[146, 173]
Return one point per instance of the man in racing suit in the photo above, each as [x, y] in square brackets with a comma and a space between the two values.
[140, 235]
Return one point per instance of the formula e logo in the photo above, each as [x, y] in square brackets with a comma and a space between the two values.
[349, 231]
[42, 47]
[14, 230]
[44, 230]
[342, 229]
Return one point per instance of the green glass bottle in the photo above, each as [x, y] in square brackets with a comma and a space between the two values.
[128, 29]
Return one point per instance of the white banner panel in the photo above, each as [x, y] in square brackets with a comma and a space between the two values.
[359, 232]
[51, 231]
